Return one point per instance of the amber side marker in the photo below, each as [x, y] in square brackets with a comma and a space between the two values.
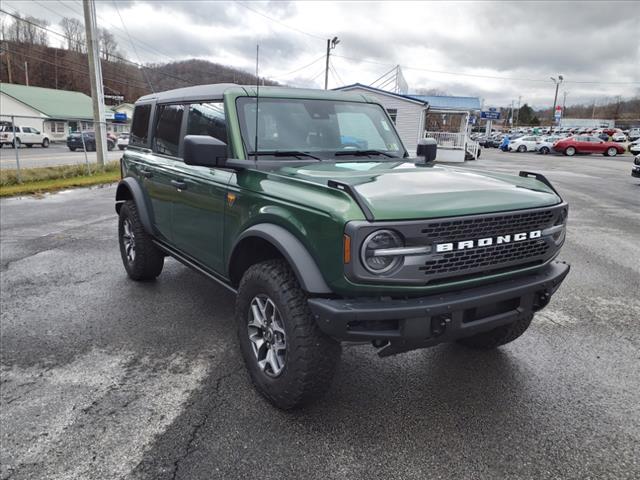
[231, 198]
[346, 253]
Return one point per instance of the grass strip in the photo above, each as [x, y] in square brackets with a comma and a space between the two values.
[51, 179]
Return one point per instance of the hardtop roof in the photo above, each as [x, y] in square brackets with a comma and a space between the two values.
[217, 91]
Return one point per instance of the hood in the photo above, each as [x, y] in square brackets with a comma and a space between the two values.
[404, 191]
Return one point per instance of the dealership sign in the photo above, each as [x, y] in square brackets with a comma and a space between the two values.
[491, 114]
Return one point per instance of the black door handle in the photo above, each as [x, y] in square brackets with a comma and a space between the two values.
[146, 173]
[179, 185]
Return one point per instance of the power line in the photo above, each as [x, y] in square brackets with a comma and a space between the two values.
[459, 74]
[142, 44]
[129, 82]
[301, 68]
[83, 43]
[242, 4]
[133, 46]
[335, 72]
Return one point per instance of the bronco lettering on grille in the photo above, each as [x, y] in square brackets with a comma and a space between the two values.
[485, 242]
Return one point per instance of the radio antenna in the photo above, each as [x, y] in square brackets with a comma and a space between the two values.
[255, 145]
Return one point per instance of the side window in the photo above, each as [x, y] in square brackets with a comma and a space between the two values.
[167, 135]
[26, 130]
[207, 119]
[140, 125]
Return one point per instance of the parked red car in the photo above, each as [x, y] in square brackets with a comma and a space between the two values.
[585, 144]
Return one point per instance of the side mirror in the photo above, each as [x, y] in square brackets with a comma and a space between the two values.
[204, 151]
[427, 148]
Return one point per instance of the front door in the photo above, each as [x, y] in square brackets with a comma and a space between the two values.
[198, 210]
[198, 213]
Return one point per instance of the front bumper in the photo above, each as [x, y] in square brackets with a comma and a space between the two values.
[412, 323]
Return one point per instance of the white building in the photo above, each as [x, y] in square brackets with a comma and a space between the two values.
[444, 118]
[408, 114]
[56, 112]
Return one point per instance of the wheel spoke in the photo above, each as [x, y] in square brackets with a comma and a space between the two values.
[267, 335]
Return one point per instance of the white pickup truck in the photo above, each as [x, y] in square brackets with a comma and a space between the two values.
[28, 136]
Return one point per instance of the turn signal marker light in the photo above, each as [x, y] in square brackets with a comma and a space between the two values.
[346, 252]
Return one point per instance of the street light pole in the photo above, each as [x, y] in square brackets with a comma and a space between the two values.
[331, 44]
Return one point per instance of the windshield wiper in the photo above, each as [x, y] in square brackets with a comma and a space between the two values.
[286, 153]
[363, 153]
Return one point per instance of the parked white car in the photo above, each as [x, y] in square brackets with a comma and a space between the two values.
[634, 134]
[545, 144]
[28, 136]
[123, 141]
[619, 137]
[523, 144]
[634, 147]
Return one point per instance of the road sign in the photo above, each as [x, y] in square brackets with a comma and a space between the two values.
[490, 114]
[120, 117]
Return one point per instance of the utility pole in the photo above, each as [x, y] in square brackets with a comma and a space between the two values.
[555, 99]
[518, 111]
[26, 74]
[331, 44]
[95, 73]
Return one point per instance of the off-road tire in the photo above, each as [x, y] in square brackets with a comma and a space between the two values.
[498, 336]
[311, 357]
[149, 259]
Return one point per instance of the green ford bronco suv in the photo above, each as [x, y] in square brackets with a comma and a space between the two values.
[307, 205]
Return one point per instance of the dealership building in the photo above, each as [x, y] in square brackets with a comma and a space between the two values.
[57, 112]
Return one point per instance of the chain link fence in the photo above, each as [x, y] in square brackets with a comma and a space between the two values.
[17, 131]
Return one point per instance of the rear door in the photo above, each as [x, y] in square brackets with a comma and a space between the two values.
[151, 170]
[198, 209]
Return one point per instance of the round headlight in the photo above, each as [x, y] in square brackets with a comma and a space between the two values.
[374, 258]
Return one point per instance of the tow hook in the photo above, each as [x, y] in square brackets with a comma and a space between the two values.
[542, 300]
[439, 325]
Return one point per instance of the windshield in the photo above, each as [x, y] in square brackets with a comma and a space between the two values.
[316, 126]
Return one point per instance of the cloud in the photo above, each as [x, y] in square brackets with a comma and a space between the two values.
[520, 40]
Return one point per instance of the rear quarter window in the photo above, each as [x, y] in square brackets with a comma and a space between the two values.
[140, 125]
[166, 139]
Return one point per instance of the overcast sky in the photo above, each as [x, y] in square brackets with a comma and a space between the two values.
[451, 46]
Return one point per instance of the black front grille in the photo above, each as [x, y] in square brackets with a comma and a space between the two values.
[490, 226]
[491, 258]
[494, 256]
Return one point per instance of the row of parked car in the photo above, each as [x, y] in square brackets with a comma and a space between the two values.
[566, 143]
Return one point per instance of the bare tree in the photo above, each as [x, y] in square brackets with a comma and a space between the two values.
[27, 30]
[108, 45]
[74, 32]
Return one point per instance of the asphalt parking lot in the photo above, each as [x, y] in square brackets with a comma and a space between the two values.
[56, 154]
[104, 378]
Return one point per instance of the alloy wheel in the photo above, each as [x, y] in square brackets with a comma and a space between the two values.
[267, 335]
[129, 240]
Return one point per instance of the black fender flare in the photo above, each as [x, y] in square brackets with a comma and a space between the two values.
[302, 263]
[130, 189]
